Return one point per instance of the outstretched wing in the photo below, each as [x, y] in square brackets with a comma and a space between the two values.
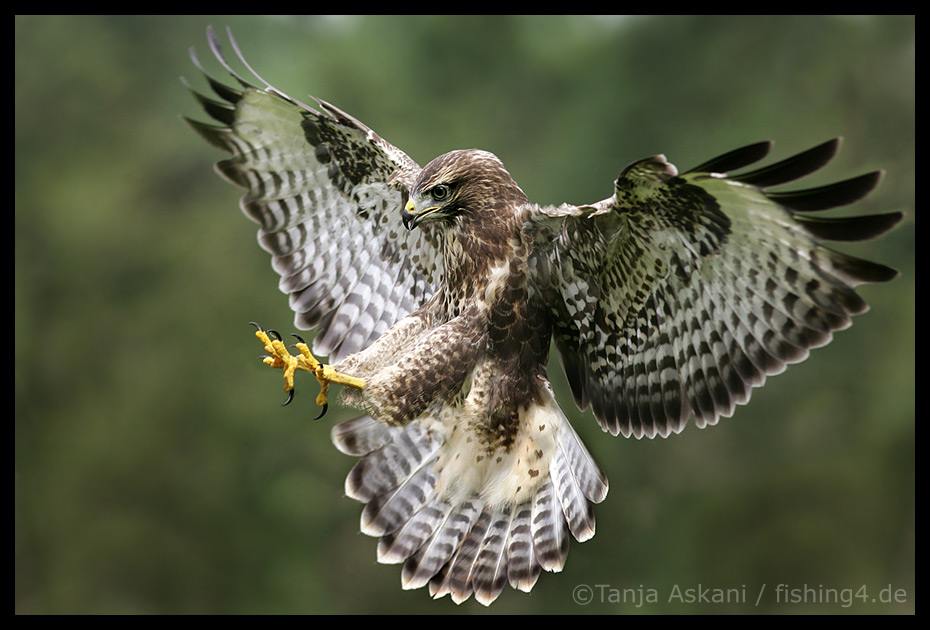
[681, 293]
[326, 192]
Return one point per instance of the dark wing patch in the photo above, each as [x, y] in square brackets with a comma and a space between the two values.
[735, 159]
[792, 168]
[677, 297]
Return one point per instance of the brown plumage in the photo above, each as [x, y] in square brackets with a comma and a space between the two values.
[481, 313]
[669, 302]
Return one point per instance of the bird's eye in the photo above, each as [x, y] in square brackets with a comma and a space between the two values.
[440, 192]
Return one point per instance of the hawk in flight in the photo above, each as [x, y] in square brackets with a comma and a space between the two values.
[436, 290]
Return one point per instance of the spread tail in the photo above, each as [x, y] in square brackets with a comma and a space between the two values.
[464, 520]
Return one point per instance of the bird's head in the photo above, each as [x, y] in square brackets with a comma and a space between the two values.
[463, 184]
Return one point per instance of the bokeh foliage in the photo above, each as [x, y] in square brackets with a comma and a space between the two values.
[154, 469]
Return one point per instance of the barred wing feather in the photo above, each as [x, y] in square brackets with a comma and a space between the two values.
[326, 192]
[677, 296]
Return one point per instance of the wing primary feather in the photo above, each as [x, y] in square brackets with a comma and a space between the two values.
[238, 52]
[217, 51]
[830, 196]
[214, 134]
[860, 228]
[858, 271]
[794, 167]
[268, 86]
[230, 171]
[217, 110]
[222, 90]
[735, 159]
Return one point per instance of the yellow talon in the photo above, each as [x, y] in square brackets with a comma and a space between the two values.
[321, 397]
[289, 373]
[279, 357]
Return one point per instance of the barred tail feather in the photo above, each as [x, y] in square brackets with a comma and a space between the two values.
[508, 518]
[549, 530]
[490, 571]
[455, 578]
[522, 566]
[388, 467]
[578, 512]
[361, 435]
[387, 513]
[435, 553]
[398, 547]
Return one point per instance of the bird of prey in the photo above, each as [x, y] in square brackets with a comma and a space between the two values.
[435, 291]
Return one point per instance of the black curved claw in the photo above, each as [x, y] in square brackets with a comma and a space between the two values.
[298, 338]
[274, 334]
[290, 397]
[323, 413]
[257, 327]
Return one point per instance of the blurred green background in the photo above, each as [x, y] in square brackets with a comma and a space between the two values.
[155, 470]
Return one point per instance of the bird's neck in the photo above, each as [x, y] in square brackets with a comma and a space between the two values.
[478, 257]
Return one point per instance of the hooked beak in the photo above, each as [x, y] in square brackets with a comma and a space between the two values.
[411, 217]
[405, 215]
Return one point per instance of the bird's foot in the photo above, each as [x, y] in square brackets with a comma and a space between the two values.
[279, 357]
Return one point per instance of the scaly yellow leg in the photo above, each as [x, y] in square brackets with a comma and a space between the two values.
[279, 357]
